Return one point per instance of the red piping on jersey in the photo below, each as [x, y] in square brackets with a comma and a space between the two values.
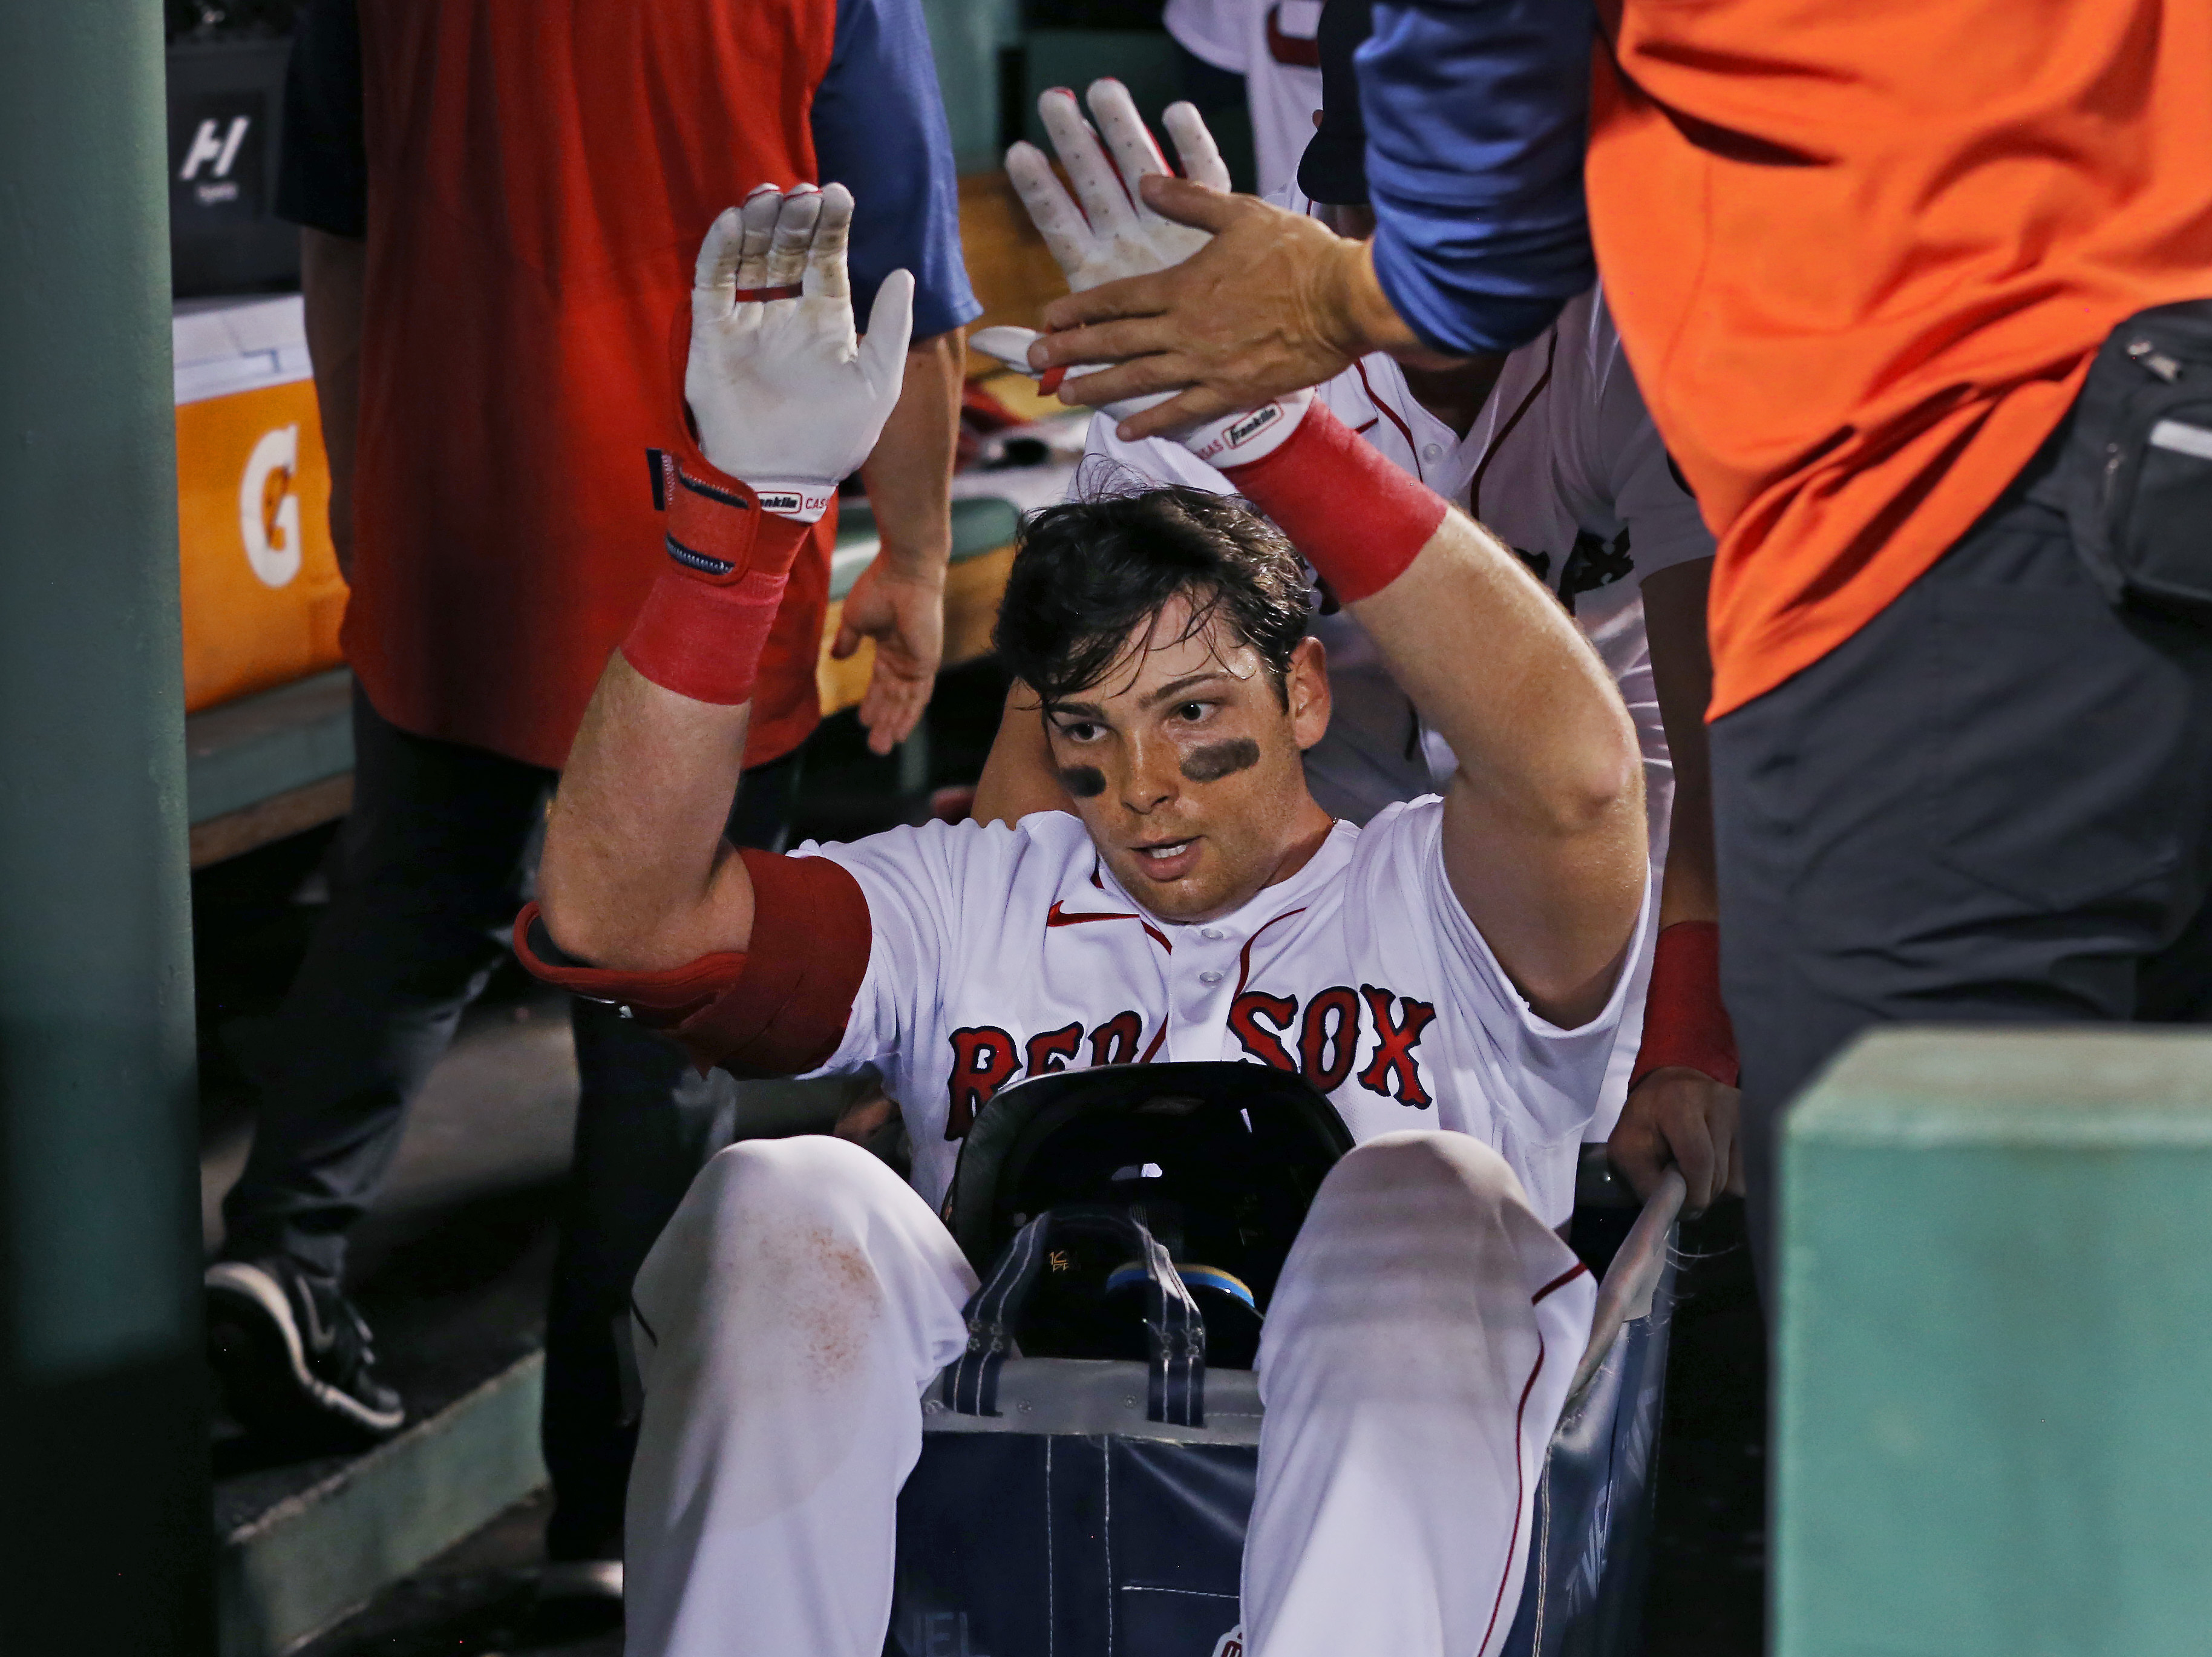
[1299, 51]
[1560, 1281]
[1474, 484]
[1520, 1482]
[1053, 917]
[1157, 1040]
[1244, 955]
[1384, 409]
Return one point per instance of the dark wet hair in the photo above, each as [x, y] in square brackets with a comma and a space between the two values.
[1087, 571]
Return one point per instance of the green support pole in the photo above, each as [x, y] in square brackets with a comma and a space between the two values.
[105, 1516]
[1994, 1422]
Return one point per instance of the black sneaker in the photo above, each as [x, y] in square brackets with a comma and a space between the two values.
[294, 1355]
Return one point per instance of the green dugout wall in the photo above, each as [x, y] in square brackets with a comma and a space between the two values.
[1994, 1401]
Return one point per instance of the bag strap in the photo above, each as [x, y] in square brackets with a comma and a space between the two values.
[1175, 1329]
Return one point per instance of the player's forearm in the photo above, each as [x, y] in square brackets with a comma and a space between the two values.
[910, 473]
[1689, 890]
[636, 874]
[1682, 675]
[1497, 667]
[776, 405]
[332, 270]
[1544, 827]
[1545, 836]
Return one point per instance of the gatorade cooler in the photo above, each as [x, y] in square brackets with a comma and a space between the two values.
[262, 595]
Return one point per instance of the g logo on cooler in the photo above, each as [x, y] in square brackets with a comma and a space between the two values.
[268, 510]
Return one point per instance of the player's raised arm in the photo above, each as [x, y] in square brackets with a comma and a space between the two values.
[1544, 829]
[636, 876]
[1544, 838]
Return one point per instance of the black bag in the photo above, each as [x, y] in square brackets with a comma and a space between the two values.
[1096, 1506]
[2136, 478]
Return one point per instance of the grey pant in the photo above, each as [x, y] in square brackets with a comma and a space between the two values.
[1993, 804]
[434, 860]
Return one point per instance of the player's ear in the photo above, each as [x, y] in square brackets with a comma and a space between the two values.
[1305, 687]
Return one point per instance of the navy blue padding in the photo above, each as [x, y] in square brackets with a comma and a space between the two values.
[1590, 1545]
[1081, 1546]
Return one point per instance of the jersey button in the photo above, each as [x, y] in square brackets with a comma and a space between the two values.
[1212, 932]
[1209, 978]
[1432, 451]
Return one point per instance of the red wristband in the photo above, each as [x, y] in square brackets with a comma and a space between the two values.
[1685, 1023]
[1358, 519]
[703, 640]
[706, 620]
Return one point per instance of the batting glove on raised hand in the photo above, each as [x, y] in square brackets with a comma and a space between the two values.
[785, 398]
[1113, 235]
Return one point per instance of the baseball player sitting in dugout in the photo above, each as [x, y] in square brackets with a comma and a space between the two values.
[1449, 975]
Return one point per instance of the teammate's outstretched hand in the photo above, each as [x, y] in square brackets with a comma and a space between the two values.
[784, 396]
[1680, 1118]
[902, 612]
[1265, 307]
[1113, 236]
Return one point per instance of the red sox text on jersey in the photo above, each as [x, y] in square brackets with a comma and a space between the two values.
[1320, 1041]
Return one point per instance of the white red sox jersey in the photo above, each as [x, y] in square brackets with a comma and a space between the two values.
[1002, 953]
[1271, 44]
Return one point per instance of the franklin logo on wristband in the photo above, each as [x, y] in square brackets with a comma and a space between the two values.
[1252, 424]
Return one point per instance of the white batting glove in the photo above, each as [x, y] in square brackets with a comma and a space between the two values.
[785, 398]
[1113, 235]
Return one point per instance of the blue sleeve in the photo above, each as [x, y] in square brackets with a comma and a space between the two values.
[879, 130]
[1478, 117]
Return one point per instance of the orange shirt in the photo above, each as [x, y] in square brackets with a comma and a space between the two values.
[1861, 252]
[539, 176]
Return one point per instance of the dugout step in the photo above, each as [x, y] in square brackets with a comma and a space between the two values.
[452, 1269]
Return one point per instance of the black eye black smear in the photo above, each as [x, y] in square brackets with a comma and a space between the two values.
[1216, 760]
[1084, 781]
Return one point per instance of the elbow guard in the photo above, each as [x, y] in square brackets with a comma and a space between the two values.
[778, 1009]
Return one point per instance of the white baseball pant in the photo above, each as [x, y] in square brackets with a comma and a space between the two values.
[1414, 1362]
